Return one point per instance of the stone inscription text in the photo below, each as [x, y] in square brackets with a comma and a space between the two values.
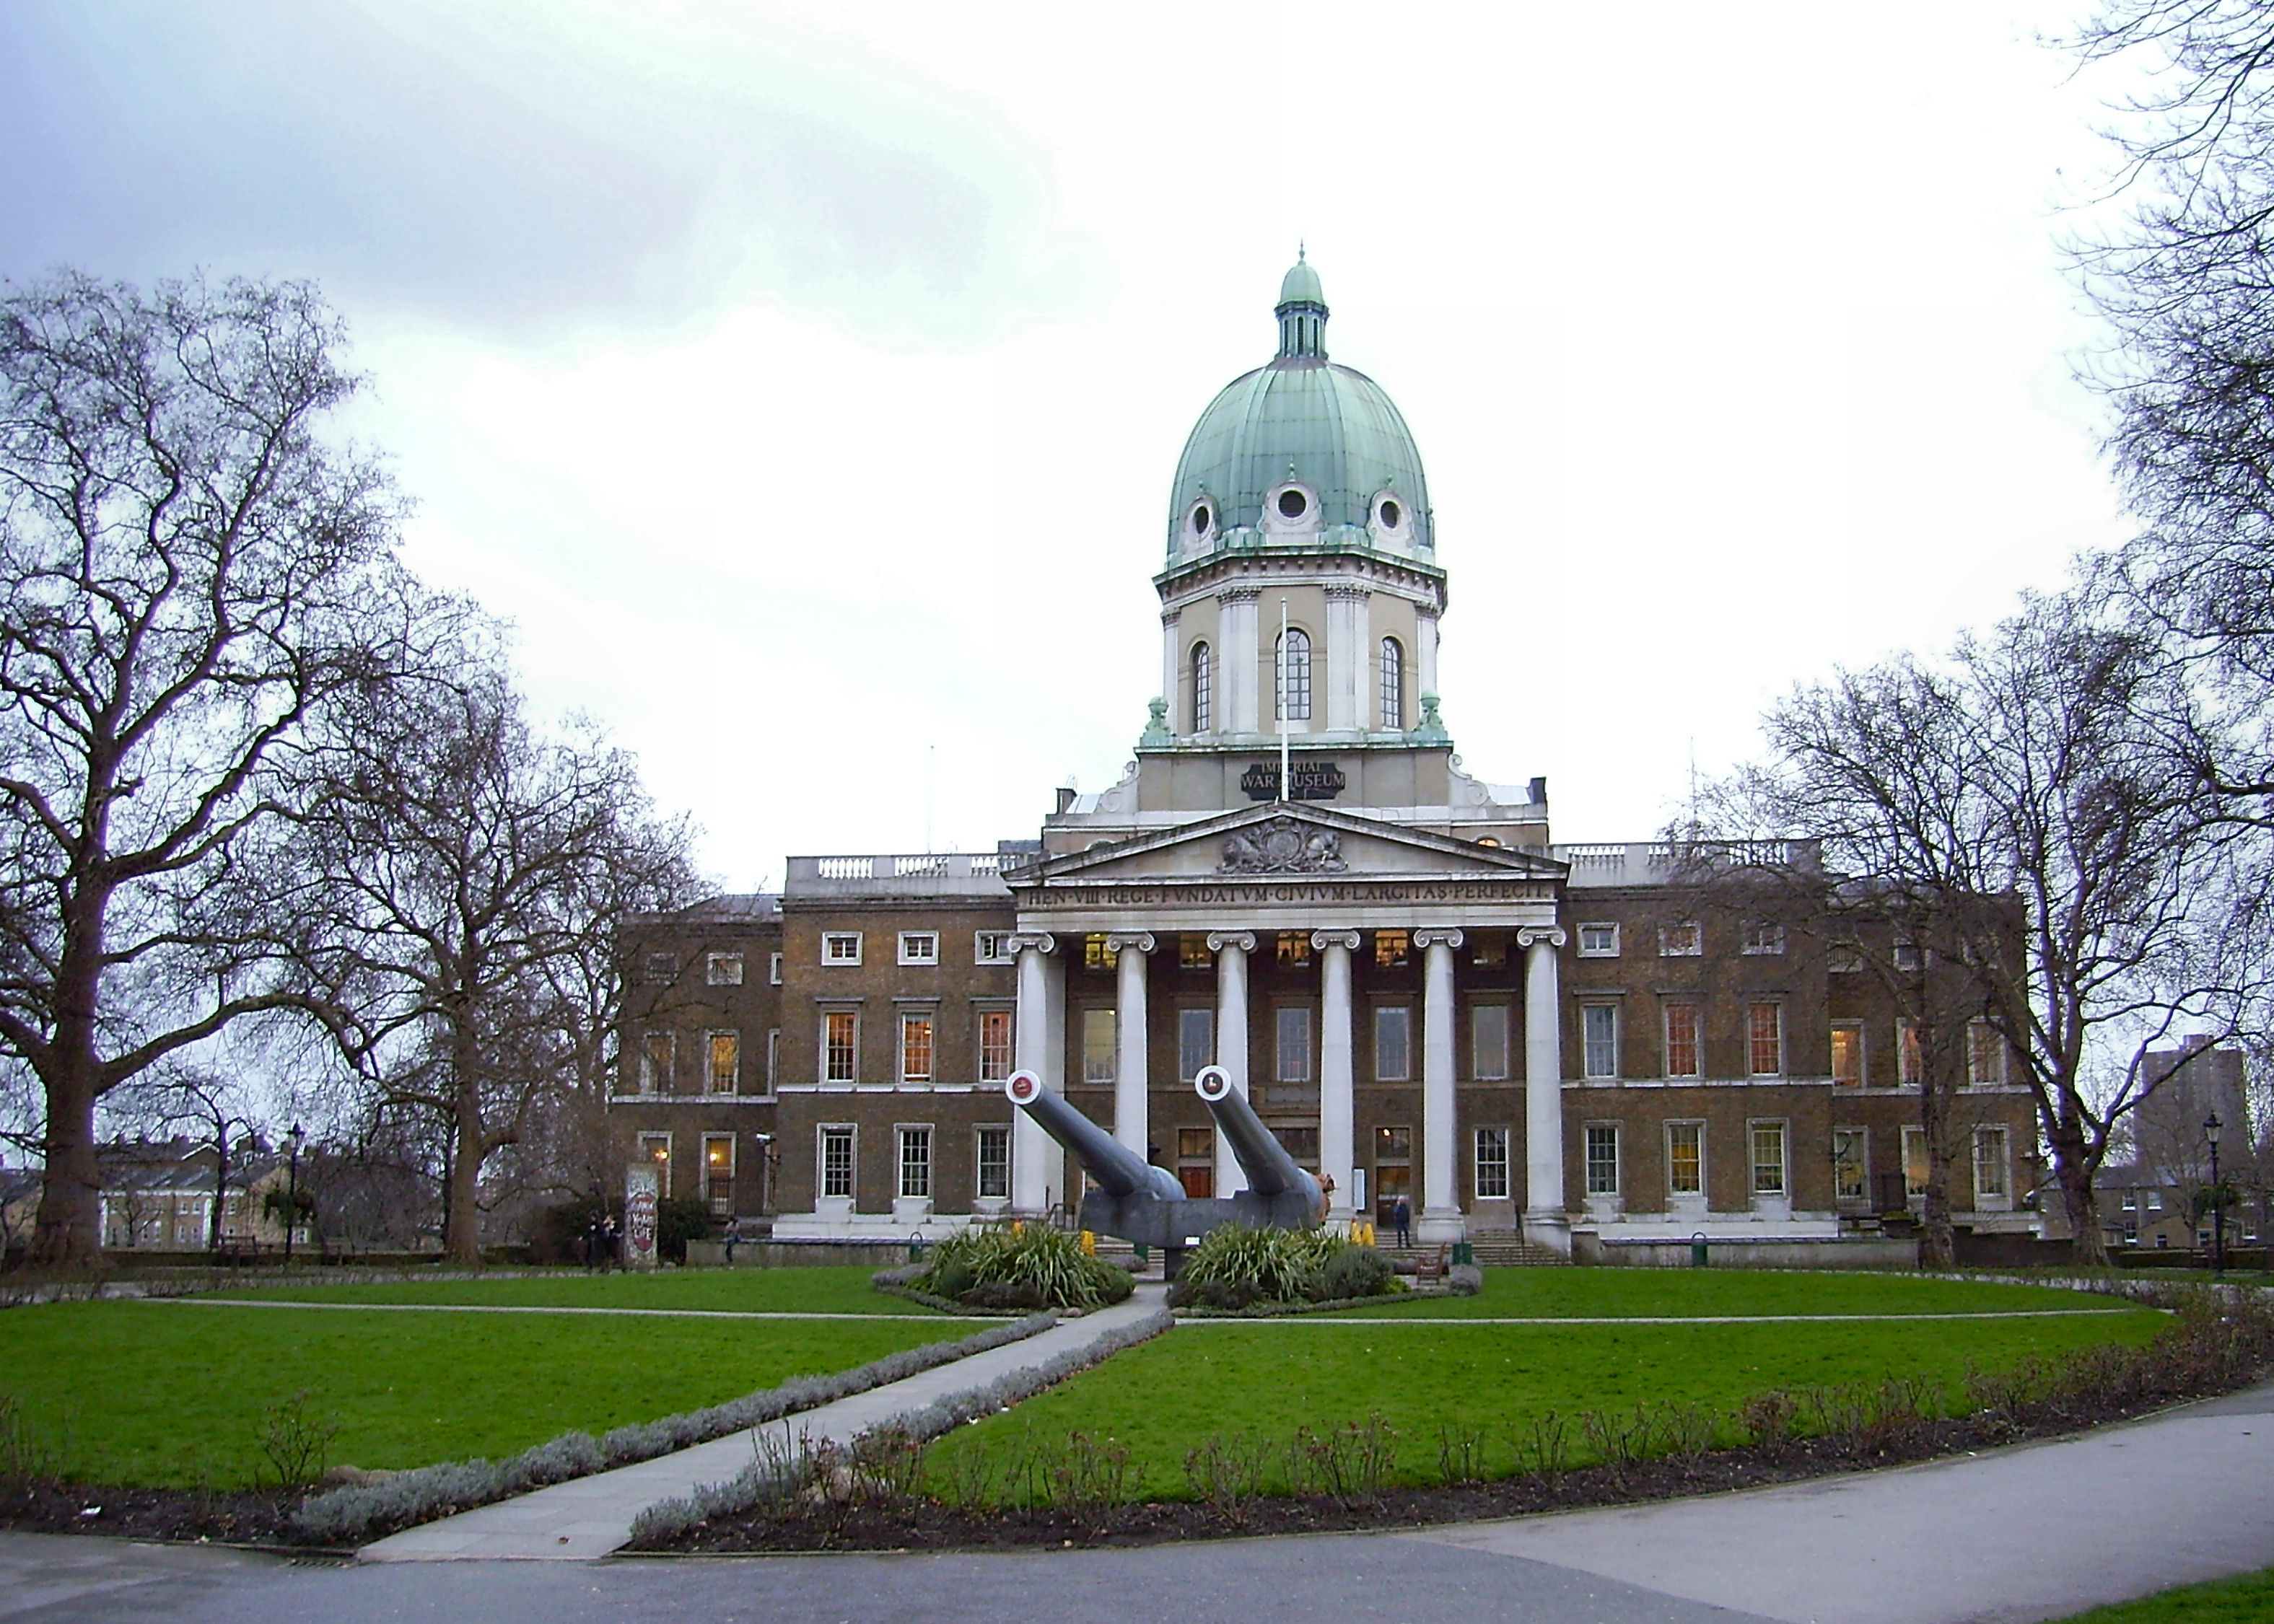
[1314, 781]
[1174, 895]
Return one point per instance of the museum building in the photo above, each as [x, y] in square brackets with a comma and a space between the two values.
[1297, 879]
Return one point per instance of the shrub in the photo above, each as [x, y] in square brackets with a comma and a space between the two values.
[678, 1220]
[561, 1230]
[1354, 1271]
[1034, 1266]
[297, 1440]
[1279, 1265]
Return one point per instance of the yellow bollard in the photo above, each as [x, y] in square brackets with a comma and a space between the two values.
[1018, 1226]
[1088, 1244]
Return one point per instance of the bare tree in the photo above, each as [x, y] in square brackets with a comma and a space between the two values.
[173, 1095]
[465, 878]
[2186, 286]
[2039, 837]
[188, 575]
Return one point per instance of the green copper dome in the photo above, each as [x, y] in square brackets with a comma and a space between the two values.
[1300, 453]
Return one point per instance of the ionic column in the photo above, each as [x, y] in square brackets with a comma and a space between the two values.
[1041, 974]
[1441, 1210]
[1231, 949]
[1130, 955]
[1425, 651]
[1544, 1217]
[1242, 668]
[1338, 1117]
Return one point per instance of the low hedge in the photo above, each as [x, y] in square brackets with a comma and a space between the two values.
[359, 1512]
[783, 1469]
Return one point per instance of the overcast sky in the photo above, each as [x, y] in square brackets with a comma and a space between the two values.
[805, 381]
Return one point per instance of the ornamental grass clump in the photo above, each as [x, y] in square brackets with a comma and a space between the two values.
[1029, 1266]
[1235, 1266]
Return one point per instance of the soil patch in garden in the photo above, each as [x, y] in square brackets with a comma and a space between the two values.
[261, 1517]
[920, 1523]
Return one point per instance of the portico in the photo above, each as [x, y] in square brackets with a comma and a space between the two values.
[1314, 888]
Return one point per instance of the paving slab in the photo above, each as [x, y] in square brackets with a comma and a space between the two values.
[590, 1517]
[2014, 1536]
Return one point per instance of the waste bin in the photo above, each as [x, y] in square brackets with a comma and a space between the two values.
[1465, 1254]
[1697, 1251]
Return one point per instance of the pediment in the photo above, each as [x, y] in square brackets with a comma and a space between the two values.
[1277, 839]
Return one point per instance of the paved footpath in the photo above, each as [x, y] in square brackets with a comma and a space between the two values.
[2010, 1537]
[591, 1516]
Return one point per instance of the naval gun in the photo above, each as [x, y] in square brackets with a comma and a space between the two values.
[1281, 1194]
[1144, 1205]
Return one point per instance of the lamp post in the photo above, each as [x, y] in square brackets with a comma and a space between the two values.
[298, 1137]
[2211, 1125]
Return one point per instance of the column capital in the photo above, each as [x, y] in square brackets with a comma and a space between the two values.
[1243, 940]
[1341, 593]
[1037, 941]
[1324, 939]
[1239, 595]
[1450, 936]
[1532, 935]
[1120, 942]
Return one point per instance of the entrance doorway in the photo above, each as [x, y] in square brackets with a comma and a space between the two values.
[1196, 1161]
[1393, 1173]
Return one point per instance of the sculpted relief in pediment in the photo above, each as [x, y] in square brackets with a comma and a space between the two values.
[1283, 846]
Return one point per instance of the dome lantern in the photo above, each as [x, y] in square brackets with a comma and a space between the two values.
[1302, 313]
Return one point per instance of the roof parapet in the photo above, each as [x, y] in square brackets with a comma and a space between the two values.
[899, 874]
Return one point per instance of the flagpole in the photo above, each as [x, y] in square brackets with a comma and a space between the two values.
[1285, 788]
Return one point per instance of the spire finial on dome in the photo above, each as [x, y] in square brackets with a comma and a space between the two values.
[1302, 310]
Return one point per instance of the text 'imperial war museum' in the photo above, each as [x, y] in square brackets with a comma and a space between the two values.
[1421, 995]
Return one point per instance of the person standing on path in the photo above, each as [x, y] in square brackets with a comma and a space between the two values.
[1401, 1215]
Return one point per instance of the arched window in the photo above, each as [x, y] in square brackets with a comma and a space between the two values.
[1294, 675]
[1200, 694]
[1393, 684]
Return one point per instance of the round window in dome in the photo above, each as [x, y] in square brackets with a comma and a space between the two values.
[1200, 516]
[1390, 515]
[1292, 504]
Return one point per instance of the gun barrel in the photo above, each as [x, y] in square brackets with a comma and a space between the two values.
[1114, 1166]
[1270, 1170]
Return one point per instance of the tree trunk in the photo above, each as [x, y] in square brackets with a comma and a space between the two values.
[70, 1230]
[70, 1233]
[461, 1222]
[221, 1187]
[2090, 1247]
[1937, 1245]
[462, 1218]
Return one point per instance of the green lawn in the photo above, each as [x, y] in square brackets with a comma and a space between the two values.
[2246, 1599]
[1519, 1293]
[844, 1290]
[1266, 1378]
[162, 1393]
